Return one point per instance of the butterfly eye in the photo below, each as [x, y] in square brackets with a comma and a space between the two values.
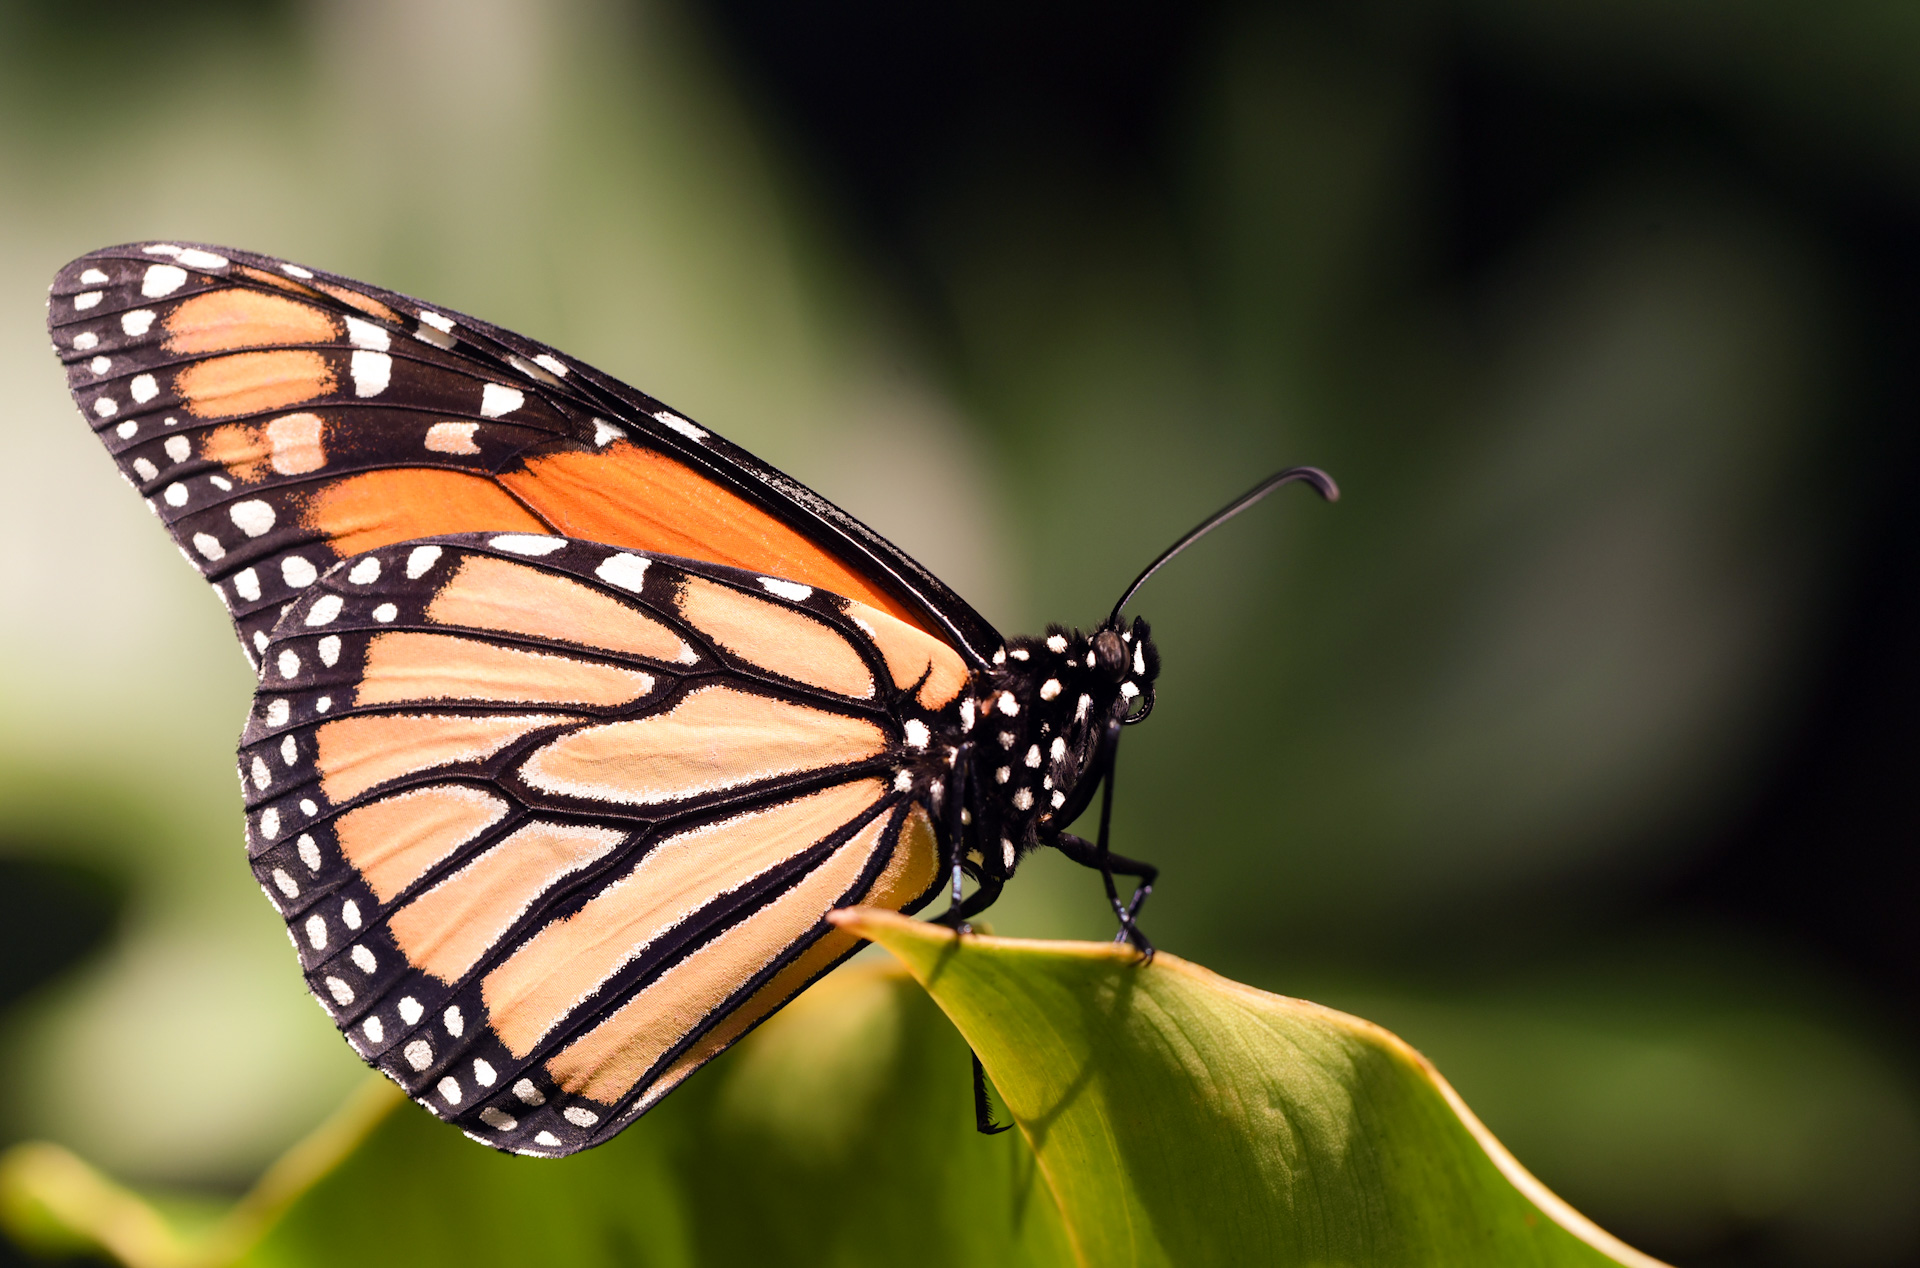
[1112, 654]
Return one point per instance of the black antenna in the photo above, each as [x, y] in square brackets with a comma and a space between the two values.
[1322, 484]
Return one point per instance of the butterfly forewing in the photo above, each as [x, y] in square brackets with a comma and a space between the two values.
[553, 822]
[279, 420]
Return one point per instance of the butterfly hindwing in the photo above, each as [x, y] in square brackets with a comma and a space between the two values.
[280, 419]
[553, 822]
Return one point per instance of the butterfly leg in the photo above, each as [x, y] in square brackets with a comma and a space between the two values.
[960, 908]
[982, 1107]
[1095, 854]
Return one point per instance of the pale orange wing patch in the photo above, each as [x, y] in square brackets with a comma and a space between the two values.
[397, 840]
[360, 753]
[494, 594]
[409, 667]
[449, 928]
[223, 320]
[913, 655]
[609, 1060]
[781, 639]
[568, 960]
[713, 739]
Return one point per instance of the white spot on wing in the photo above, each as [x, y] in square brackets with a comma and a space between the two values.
[252, 517]
[350, 914]
[329, 649]
[294, 270]
[680, 425]
[86, 300]
[145, 469]
[317, 932]
[1050, 689]
[450, 1090]
[551, 363]
[434, 329]
[84, 340]
[284, 883]
[533, 369]
[162, 279]
[309, 852]
[325, 609]
[917, 733]
[178, 448]
[528, 1093]
[604, 432]
[206, 543]
[298, 573]
[364, 334]
[374, 1030]
[786, 589]
[410, 1011]
[105, 406]
[372, 371]
[365, 572]
[135, 323]
[343, 994]
[629, 572]
[457, 1026]
[497, 399]
[289, 663]
[419, 559]
[385, 613]
[455, 438]
[419, 1054]
[526, 543]
[195, 258]
[579, 1117]
[93, 277]
[499, 1120]
[143, 388]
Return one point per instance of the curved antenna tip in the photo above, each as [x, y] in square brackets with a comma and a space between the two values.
[1322, 484]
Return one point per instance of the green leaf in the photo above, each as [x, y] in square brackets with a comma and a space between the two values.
[1167, 1116]
[1181, 1118]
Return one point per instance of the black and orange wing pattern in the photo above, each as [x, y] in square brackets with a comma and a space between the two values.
[279, 419]
[553, 822]
[573, 719]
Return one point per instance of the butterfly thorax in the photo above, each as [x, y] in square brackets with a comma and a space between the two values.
[1033, 724]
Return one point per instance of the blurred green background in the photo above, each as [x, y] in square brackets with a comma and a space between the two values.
[1575, 744]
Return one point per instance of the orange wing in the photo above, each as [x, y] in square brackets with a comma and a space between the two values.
[278, 420]
[552, 823]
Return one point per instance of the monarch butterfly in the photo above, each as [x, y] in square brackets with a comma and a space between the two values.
[573, 720]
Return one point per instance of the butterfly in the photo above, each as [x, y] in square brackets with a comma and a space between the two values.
[573, 720]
